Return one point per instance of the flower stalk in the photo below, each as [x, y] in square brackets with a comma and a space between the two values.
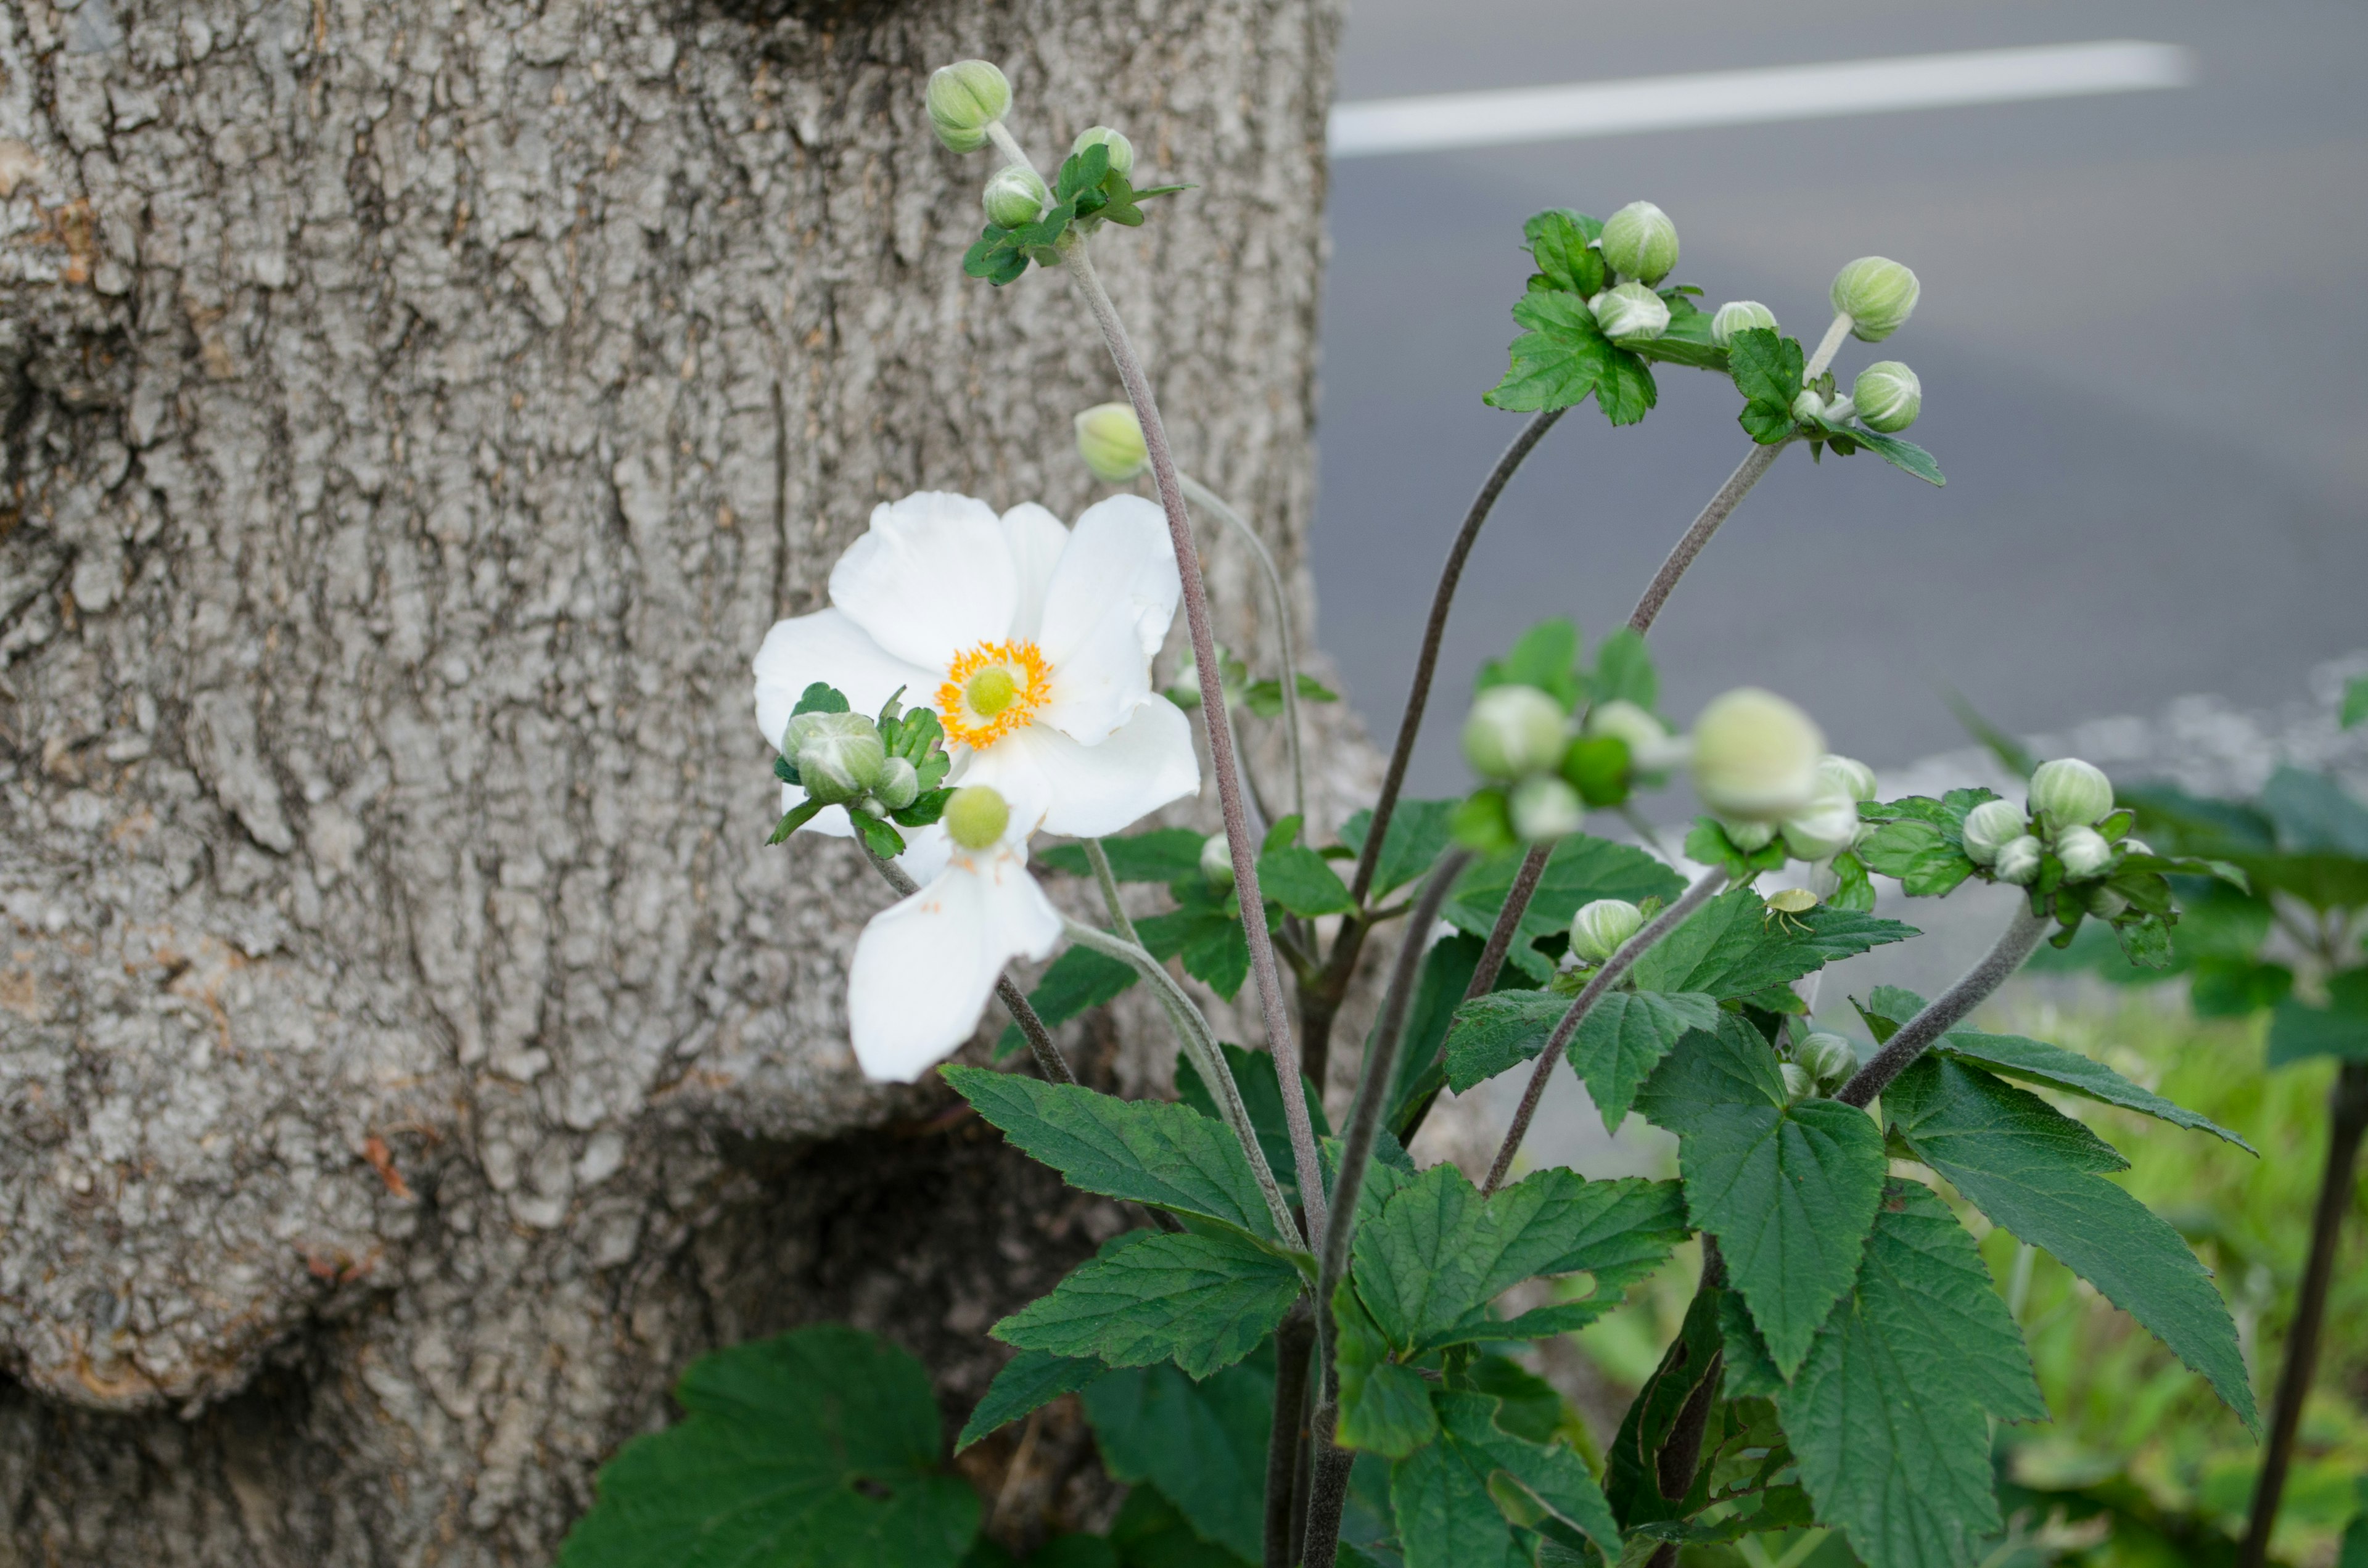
[2017, 942]
[1201, 495]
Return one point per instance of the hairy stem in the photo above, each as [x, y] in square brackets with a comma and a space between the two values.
[1294, 1342]
[2347, 1107]
[1758, 461]
[1219, 728]
[1603, 980]
[1427, 661]
[1009, 147]
[1201, 495]
[1508, 921]
[1098, 857]
[1328, 1491]
[2017, 942]
[1048, 1059]
[1827, 347]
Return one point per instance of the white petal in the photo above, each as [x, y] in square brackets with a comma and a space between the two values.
[932, 578]
[1010, 768]
[1107, 609]
[1092, 790]
[828, 646]
[1037, 539]
[924, 968]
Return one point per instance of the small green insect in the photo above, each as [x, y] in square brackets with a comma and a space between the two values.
[1786, 907]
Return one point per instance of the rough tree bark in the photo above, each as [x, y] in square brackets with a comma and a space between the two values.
[414, 411]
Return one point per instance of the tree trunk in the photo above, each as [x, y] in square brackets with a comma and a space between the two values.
[415, 414]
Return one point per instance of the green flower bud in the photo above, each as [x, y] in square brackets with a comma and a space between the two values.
[1847, 775]
[1110, 437]
[1751, 837]
[1888, 395]
[1640, 242]
[1514, 730]
[1016, 195]
[1990, 828]
[1739, 315]
[1630, 311]
[1217, 861]
[1543, 806]
[838, 755]
[899, 786]
[1122, 151]
[2083, 851]
[1808, 406]
[964, 99]
[1755, 756]
[1877, 294]
[1798, 1083]
[2068, 792]
[1599, 929]
[976, 817]
[1825, 830]
[2017, 860]
[1647, 739]
[1828, 1057]
[2107, 904]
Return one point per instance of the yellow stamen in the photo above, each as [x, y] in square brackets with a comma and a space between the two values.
[992, 690]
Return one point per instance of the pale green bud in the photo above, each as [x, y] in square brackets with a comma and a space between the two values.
[1751, 837]
[1990, 828]
[1798, 1083]
[1016, 194]
[2107, 904]
[1601, 928]
[1828, 1057]
[2083, 851]
[1847, 775]
[2068, 792]
[2017, 860]
[964, 99]
[1888, 395]
[1647, 739]
[838, 755]
[1217, 861]
[1877, 294]
[1739, 315]
[1630, 311]
[1543, 806]
[1514, 730]
[1110, 437]
[976, 817]
[1808, 406]
[1640, 242]
[1755, 756]
[1122, 151]
[899, 786]
[1825, 830]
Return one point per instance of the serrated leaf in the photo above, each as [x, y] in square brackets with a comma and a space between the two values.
[820, 697]
[1559, 241]
[1766, 368]
[1447, 971]
[1203, 1444]
[1028, 1381]
[1618, 1044]
[1302, 882]
[1202, 1300]
[1265, 696]
[1445, 1515]
[1552, 1474]
[877, 838]
[1205, 931]
[1254, 1075]
[796, 818]
[1708, 843]
[2036, 1061]
[2037, 1173]
[1767, 424]
[1926, 863]
[1162, 855]
[1625, 673]
[1384, 1406]
[1557, 360]
[1418, 830]
[1545, 657]
[1732, 947]
[1630, 1470]
[1581, 869]
[1078, 980]
[816, 1445]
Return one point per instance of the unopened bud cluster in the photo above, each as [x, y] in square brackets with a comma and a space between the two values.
[839, 755]
[2068, 800]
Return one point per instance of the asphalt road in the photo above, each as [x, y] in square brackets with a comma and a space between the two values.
[2141, 341]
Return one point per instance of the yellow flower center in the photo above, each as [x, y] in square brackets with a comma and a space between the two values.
[992, 690]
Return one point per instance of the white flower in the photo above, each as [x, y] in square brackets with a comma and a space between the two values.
[925, 967]
[1032, 641]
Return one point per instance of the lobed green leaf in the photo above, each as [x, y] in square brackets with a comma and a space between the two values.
[1200, 1300]
[1028, 1381]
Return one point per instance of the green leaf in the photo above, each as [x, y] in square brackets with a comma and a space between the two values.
[1265, 696]
[2036, 1061]
[1853, 890]
[1162, 855]
[2298, 1030]
[1205, 930]
[1558, 358]
[1254, 1074]
[1625, 390]
[1926, 863]
[1078, 980]
[1618, 1044]
[1526, 1405]
[1302, 882]
[1446, 1514]
[1384, 1406]
[797, 817]
[1559, 241]
[1203, 1444]
[820, 697]
[1623, 672]
[1904, 455]
[1767, 423]
[1546, 657]
[1151, 1532]
[1030, 1380]
[2355, 702]
[2037, 1173]
[1765, 367]
[1552, 1474]
[816, 1445]
[1789, 1191]
[1630, 1470]
[1707, 842]
[1418, 830]
[1204, 1300]
[1731, 948]
[1447, 971]
[1580, 871]
[1168, 1157]
[878, 836]
[2311, 811]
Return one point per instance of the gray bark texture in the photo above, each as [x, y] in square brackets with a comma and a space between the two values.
[414, 412]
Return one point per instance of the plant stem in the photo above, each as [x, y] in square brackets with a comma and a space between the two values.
[1199, 1044]
[1508, 921]
[1048, 1059]
[2347, 1107]
[1603, 980]
[1328, 1491]
[2017, 942]
[1009, 147]
[1220, 733]
[1758, 461]
[1293, 1343]
[1827, 347]
[1098, 857]
[1201, 495]
[1427, 661]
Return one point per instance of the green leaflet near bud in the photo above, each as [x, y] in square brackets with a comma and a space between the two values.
[1739, 315]
[1217, 861]
[1514, 730]
[1122, 151]
[1630, 311]
[839, 755]
[2084, 852]
[964, 99]
[1888, 395]
[1877, 294]
[1990, 828]
[2067, 793]
[2017, 860]
[1755, 756]
[1016, 195]
[1110, 439]
[976, 817]
[1601, 928]
[1751, 837]
[1545, 807]
[1640, 242]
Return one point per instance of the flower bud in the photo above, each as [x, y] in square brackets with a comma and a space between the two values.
[1751, 837]
[1877, 294]
[838, 755]
[964, 99]
[1640, 242]
[1798, 1083]
[1543, 806]
[976, 817]
[1122, 151]
[899, 786]
[2107, 904]
[1845, 775]
[2017, 860]
[2068, 792]
[1990, 828]
[1630, 311]
[1808, 405]
[1016, 195]
[1514, 730]
[1826, 829]
[1217, 861]
[1599, 929]
[1755, 756]
[1110, 437]
[2083, 851]
[1647, 739]
[1739, 315]
[1828, 1057]
[1888, 396]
